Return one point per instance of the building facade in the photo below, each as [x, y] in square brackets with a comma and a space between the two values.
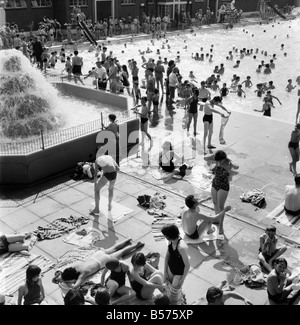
[23, 12]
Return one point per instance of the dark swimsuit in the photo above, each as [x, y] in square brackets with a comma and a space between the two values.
[176, 264]
[195, 235]
[294, 145]
[221, 180]
[119, 277]
[207, 118]
[193, 106]
[137, 287]
[144, 120]
[111, 176]
[267, 112]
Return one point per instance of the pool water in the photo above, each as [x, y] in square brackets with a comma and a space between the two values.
[266, 37]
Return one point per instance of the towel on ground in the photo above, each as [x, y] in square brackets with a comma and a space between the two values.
[85, 238]
[59, 227]
[280, 216]
[14, 267]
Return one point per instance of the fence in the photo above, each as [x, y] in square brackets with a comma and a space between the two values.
[54, 138]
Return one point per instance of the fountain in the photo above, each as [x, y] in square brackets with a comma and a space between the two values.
[33, 143]
[26, 105]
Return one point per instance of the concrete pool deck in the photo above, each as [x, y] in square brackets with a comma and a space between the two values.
[257, 144]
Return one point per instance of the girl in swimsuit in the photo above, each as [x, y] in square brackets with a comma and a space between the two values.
[220, 184]
[177, 263]
[144, 114]
[192, 108]
[115, 283]
[294, 148]
[144, 278]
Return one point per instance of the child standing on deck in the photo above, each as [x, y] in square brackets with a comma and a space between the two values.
[155, 101]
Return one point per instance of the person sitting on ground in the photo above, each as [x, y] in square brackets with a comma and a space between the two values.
[292, 198]
[191, 217]
[14, 243]
[280, 284]
[168, 160]
[177, 264]
[74, 277]
[115, 283]
[217, 295]
[268, 251]
[32, 291]
[144, 278]
[101, 297]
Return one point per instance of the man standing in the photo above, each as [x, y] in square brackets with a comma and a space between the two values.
[102, 76]
[109, 169]
[173, 81]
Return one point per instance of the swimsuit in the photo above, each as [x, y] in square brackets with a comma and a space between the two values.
[193, 106]
[292, 213]
[110, 176]
[176, 264]
[137, 287]
[195, 235]
[203, 100]
[207, 118]
[119, 277]
[294, 145]
[34, 294]
[144, 120]
[101, 258]
[267, 112]
[221, 180]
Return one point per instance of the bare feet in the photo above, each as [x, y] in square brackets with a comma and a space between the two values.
[140, 244]
[228, 208]
[210, 230]
[94, 212]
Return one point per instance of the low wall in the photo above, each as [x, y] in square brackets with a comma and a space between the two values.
[29, 169]
[100, 96]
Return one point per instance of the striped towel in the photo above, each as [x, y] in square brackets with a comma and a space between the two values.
[160, 220]
[14, 267]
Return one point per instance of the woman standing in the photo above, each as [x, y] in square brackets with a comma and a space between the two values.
[125, 78]
[294, 148]
[220, 184]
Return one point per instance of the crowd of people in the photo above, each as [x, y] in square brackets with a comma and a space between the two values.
[161, 77]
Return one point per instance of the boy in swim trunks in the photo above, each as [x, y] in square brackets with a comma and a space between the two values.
[109, 169]
[191, 217]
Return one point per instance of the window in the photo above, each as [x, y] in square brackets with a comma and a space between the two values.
[15, 4]
[127, 2]
[81, 3]
[41, 3]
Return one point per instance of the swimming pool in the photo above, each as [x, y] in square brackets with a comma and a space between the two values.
[266, 37]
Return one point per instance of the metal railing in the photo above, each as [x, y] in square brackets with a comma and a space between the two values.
[47, 140]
